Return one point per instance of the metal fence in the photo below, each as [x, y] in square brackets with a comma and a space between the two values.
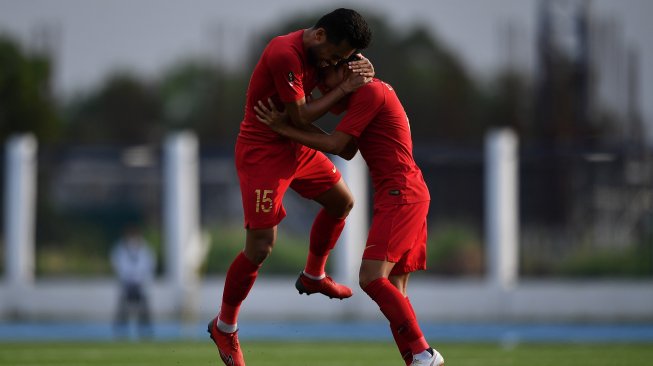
[582, 213]
[586, 213]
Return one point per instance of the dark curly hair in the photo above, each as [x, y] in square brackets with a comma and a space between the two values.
[346, 24]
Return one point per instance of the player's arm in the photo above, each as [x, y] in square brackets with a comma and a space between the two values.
[337, 108]
[337, 143]
[350, 150]
[287, 70]
[359, 64]
[302, 113]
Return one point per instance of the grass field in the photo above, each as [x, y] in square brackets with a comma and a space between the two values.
[317, 354]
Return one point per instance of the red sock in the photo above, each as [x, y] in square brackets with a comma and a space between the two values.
[240, 279]
[324, 235]
[398, 311]
[421, 342]
[412, 311]
[402, 345]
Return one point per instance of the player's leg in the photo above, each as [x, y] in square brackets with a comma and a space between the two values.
[429, 356]
[400, 281]
[242, 274]
[264, 173]
[261, 171]
[327, 227]
[398, 234]
[374, 281]
[318, 179]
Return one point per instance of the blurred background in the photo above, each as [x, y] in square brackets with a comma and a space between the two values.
[102, 85]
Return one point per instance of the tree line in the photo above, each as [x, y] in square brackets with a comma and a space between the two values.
[444, 101]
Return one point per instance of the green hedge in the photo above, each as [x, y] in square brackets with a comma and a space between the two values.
[453, 250]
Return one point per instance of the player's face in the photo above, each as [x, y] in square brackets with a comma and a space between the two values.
[326, 53]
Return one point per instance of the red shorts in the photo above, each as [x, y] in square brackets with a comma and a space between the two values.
[266, 171]
[398, 235]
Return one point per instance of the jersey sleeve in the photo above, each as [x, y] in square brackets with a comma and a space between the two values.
[287, 71]
[364, 104]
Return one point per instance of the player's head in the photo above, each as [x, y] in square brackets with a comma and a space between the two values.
[331, 76]
[337, 35]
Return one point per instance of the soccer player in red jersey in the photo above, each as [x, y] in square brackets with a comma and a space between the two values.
[377, 124]
[268, 164]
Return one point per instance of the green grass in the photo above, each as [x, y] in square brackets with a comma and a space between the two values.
[318, 354]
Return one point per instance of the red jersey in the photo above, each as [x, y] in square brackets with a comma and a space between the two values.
[283, 74]
[378, 121]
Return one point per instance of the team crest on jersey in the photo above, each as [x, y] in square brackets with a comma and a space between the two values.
[291, 78]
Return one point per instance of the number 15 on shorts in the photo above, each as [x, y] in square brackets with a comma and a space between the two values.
[263, 202]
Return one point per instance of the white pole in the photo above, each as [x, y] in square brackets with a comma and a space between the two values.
[501, 219]
[181, 216]
[19, 210]
[349, 248]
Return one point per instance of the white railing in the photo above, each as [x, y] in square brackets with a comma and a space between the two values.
[501, 219]
[180, 293]
[19, 210]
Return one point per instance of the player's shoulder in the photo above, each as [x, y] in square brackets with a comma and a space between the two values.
[374, 90]
[377, 85]
[282, 52]
[285, 43]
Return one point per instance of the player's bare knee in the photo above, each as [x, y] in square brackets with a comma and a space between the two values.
[259, 252]
[365, 279]
[337, 201]
[348, 205]
[342, 208]
[259, 246]
[263, 254]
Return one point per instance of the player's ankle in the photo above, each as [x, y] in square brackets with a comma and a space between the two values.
[313, 276]
[226, 328]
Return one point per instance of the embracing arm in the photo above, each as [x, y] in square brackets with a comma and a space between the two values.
[302, 113]
[337, 143]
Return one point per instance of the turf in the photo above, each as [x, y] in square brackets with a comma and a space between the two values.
[317, 354]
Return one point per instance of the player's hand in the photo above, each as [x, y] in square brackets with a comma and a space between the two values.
[269, 115]
[362, 66]
[353, 82]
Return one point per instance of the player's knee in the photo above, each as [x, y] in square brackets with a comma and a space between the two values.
[259, 253]
[363, 282]
[365, 279]
[343, 207]
[258, 248]
[348, 205]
